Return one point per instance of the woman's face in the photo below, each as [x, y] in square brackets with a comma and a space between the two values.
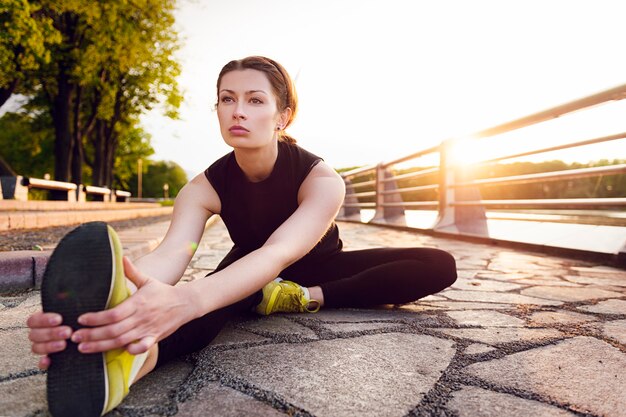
[247, 110]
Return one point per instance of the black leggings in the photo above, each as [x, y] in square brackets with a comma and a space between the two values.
[359, 278]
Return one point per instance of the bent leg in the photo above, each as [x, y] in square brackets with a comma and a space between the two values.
[377, 276]
[199, 332]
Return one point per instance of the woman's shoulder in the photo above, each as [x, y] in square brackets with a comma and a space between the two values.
[216, 172]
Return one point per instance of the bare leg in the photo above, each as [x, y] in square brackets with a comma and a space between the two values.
[316, 293]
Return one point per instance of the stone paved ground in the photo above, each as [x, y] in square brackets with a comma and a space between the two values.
[518, 334]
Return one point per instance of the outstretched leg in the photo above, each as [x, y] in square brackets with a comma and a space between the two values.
[376, 276]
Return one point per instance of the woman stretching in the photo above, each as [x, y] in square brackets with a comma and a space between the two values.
[278, 202]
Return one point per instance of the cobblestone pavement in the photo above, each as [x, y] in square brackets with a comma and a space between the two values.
[519, 333]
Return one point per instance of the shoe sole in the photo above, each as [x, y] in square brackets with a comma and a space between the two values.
[78, 279]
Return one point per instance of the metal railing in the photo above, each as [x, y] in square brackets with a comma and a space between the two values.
[460, 208]
[17, 188]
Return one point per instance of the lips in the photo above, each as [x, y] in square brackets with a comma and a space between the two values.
[237, 129]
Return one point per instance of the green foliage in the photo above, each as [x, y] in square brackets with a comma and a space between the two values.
[26, 142]
[25, 38]
[134, 145]
[156, 175]
[93, 67]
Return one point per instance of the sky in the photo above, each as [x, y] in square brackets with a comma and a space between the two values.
[377, 80]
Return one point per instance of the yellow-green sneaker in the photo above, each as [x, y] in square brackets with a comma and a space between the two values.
[280, 296]
[85, 274]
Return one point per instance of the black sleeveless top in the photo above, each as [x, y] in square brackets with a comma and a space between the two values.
[252, 211]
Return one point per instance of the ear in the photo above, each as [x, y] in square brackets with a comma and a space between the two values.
[285, 116]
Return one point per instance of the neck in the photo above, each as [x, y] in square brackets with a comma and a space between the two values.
[257, 164]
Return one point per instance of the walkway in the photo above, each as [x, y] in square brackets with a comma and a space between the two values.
[519, 334]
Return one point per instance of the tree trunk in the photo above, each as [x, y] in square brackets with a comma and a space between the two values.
[5, 92]
[99, 154]
[61, 110]
[77, 140]
[62, 133]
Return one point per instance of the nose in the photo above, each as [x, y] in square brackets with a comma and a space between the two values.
[238, 113]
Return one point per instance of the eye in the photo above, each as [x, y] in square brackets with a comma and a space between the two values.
[256, 100]
[226, 99]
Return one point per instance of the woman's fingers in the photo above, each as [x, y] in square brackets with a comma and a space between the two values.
[133, 274]
[41, 319]
[49, 334]
[141, 346]
[48, 347]
[111, 331]
[108, 344]
[44, 363]
[113, 315]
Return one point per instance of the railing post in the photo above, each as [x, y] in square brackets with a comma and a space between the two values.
[387, 215]
[12, 188]
[349, 213]
[445, 217]
[81, 195]
[465, 219]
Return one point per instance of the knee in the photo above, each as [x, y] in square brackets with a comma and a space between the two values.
[447, 268]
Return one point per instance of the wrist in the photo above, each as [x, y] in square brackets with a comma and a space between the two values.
[192, 302]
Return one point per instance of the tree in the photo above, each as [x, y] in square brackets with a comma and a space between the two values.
[29, 157]
[25, 37]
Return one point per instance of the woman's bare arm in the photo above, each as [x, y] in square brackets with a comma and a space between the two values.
[195, 204]
[320, 198]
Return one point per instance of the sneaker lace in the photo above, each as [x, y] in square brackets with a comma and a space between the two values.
[292, 299]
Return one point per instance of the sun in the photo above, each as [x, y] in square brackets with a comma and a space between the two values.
[464, 152]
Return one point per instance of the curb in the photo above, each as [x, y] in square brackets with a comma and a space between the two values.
[23, 270]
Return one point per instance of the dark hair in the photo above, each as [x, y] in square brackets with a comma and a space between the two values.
[282, 86]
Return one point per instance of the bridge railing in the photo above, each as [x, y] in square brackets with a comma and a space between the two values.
[17, 188]
[458, 203]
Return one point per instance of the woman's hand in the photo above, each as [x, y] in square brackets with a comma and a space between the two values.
[47, 335]
[154, 312]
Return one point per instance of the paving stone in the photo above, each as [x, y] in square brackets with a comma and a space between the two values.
[206, 262]
[485, 318]
[419, 307]
[460, 305]
[569, 294]
[358, 327]
[216, 400]
[34, 299]
[474, 401]
[559, 317]
[496, 297]
[395, 371]
[469, 274]
[158, 387]
[484, 285]
[615, 329]
[15, 354]
[583, 372]
[501, 276]
[475, 348]
[17, 316]
[341, 315]
[607, 307]
[278, 326]
[498, 335]
[233, 336]
[548, 282]
[433, 298]
[602, 280]
[23, 396]
[600, 271]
